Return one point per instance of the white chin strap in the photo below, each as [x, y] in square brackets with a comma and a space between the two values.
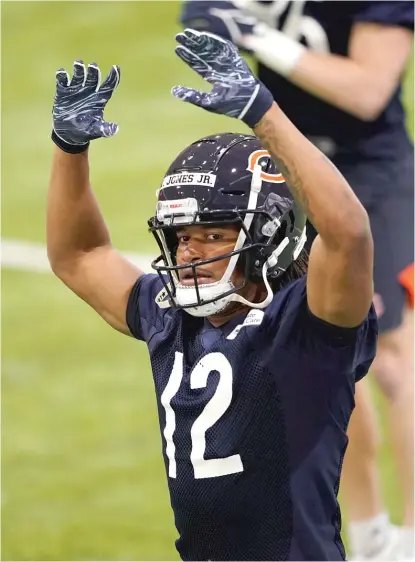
[186, 295]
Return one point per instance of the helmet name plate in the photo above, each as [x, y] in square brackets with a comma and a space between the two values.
[194, 178]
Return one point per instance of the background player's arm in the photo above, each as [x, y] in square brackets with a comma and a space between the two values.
[362, 83]
[339, 282]
[78, 242]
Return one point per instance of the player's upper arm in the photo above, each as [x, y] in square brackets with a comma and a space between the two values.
[325, 348]
[340, 280]
[103, 278]
[381, 43]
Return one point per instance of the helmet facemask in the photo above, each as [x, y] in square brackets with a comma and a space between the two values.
[198, 299]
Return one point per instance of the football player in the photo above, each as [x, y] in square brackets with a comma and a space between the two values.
[335, 69]
[254, 360]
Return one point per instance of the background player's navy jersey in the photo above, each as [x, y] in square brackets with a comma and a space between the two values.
[253, 417]
[383, 137]
[326, 27]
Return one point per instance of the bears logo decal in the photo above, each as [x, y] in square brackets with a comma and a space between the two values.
[254, 158]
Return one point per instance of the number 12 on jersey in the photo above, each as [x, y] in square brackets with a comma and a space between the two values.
[212, 412]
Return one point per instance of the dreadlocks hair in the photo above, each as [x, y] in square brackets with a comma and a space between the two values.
[294, 271]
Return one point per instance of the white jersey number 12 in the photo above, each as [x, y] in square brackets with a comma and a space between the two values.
[212, 412]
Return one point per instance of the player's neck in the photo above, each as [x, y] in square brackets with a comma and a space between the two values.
[226, 315]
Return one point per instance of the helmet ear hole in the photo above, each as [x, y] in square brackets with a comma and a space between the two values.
[280, 234]
[255, 260]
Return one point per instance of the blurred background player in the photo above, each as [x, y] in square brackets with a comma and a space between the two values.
[335, 68]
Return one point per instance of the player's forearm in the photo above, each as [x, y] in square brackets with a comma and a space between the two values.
[342, 83]
[74, 222]
[314, 181]
[337, 80]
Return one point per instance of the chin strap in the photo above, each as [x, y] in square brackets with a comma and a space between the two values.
[268, 298]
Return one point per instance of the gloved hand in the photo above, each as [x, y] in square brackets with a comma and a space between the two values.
[79, 105]
[219, 17]
[236, 91]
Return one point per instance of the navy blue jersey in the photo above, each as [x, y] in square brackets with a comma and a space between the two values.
[385, 136]
[326, 27]
[253, 417]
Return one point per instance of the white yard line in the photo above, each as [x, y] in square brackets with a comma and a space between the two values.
[28, 256]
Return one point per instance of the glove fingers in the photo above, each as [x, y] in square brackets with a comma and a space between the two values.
[111, 81]
[79, 74]
[109, 129]
[93, 77]
[102, 128]
[62, 77]
[189, 37]
[190, 95]
[200, 39]
[207, 46]
[195, 62]
[192, 39]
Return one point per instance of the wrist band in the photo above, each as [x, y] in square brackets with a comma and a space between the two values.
[66, 147]
[274, 49]
[261, 100]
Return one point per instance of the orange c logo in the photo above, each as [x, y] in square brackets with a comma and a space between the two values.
[254, 158]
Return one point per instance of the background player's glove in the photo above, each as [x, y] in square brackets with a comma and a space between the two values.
[79, 105]
[219, 17]
[236, 92]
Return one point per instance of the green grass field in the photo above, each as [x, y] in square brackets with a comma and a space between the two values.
[82, 473]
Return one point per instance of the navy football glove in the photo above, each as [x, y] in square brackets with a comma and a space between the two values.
[236, 92]
[219, 17]
[79, 105]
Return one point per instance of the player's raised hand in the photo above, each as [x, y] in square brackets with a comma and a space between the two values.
[78, 109]
[236, 91]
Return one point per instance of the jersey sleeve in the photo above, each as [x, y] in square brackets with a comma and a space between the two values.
[144, 316]
[293, 326]
[387, 13]
[196, 14]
